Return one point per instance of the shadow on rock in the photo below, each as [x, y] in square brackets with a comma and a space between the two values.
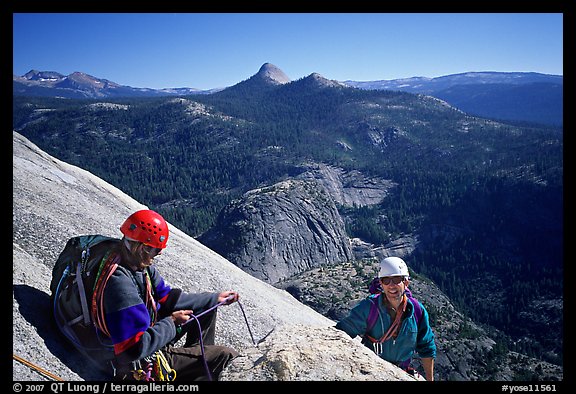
[36, 308]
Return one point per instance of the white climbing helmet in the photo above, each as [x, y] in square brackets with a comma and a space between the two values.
[393, 266]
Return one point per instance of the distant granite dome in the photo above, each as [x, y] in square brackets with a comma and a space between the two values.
[273, 74]
[319, 81]
[278, 231]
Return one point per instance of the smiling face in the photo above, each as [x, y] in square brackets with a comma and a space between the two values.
[393, 288]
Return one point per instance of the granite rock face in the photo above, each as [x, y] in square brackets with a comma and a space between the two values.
[297, 353]
[348, 188]
[279, 231]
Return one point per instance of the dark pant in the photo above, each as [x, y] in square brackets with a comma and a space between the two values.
[189, 362]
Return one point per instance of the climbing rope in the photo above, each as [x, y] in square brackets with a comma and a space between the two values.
[195, 317]
[37, 368]
[246, 320]
[162, 368]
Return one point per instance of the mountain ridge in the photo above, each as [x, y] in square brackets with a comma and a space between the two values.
[429, 85]
[274, 74]
[545, 106]
[82, 85]
[512, 96]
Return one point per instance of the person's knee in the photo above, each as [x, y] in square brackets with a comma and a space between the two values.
[233, 353]
[228, 353]
[222, 355]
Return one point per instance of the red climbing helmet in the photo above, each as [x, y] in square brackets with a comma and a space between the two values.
[148, 227]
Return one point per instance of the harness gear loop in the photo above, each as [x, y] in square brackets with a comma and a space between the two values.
[157, 369]
[141, 374]
[163, 369]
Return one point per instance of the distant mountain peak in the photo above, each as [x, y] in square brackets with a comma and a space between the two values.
[82, 85]
[89, 81]
[272, 74]
[35, 75]
[268, 77]
[320, 81]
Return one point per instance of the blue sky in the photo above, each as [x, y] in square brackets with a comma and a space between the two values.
[202, 50]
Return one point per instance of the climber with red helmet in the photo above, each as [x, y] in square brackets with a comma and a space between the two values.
[144, 316]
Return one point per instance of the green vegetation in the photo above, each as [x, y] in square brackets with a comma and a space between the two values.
[486, 198]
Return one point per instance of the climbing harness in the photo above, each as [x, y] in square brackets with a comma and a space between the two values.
[195, 317]
[156, 368]
[36, 367]
[162, 368]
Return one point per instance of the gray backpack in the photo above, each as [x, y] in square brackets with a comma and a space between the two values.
[73, 279]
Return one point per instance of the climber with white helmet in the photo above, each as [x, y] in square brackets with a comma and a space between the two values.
[393, 323]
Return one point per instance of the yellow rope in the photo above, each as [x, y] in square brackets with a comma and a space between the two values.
[41, 370]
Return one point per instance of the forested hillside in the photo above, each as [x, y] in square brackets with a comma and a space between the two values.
[485, 198]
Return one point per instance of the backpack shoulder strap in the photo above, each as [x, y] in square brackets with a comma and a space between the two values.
[373, 314]
[417, 306]
[417, 309]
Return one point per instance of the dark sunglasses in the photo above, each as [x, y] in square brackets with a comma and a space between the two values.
[151, 251]
[394, 279]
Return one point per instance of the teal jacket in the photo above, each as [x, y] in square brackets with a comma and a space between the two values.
[411, 338]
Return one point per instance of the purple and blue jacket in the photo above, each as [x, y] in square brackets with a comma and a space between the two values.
[137, 330]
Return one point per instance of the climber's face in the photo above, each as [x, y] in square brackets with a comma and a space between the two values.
[146, 255]
[142, 256]
[394, 287]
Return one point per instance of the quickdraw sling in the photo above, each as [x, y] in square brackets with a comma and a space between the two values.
[156, 368]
